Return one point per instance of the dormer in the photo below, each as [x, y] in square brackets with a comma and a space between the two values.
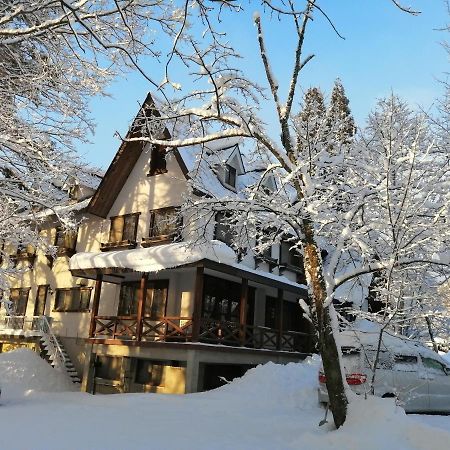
[269, 184]
[232, 166]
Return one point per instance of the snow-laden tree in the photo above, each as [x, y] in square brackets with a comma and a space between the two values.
[55, 55]
[320, 195]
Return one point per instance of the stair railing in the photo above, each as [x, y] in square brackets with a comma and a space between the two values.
[55, 351]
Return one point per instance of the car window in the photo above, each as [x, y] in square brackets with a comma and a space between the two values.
[434, 366]
[405, 363]
[384, 361]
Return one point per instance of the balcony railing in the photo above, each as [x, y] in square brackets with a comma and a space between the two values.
[180, 329]
[22, 323]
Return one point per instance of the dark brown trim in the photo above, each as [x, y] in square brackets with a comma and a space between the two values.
[95, 303]
[279, 318]
[243, 310]
[198, 301]
[140, 309]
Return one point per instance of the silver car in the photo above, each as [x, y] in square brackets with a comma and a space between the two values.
[415, 375]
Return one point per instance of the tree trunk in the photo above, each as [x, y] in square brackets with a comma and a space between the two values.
[327, 343]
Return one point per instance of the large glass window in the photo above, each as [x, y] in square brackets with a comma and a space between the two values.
[155, 299]
[221, 300]
[164, 222]
[124, 228]
[41, 298]
[223, 231]
[19, 299]
[74, 299]
[128, 300]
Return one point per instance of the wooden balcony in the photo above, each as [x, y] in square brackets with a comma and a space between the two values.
[180, 329]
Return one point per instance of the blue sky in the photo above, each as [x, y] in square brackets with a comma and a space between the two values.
[384, 51]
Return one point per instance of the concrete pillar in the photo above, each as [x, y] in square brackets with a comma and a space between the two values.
[192, 371]
[87, 382]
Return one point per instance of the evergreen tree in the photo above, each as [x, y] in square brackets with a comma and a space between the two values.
[339, 113]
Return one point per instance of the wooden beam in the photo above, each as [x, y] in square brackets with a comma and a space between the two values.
[243, 311]
[95, 303]
[140, 309]
[198, 300]
[279, 318]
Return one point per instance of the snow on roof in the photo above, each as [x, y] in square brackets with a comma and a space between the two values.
[154, 259]
[168, 256]
[64, 209]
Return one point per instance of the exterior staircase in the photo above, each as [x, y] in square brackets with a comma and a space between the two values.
[58, 358]
[54, 352]
[39, 328]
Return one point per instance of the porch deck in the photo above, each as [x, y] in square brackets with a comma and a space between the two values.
[182, 329]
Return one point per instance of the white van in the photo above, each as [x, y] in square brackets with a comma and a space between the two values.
[418, 377]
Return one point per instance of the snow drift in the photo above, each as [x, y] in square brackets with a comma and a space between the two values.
[272, 407]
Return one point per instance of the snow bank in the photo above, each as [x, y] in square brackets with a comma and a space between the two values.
[154, 259]
[271, 407]
[22, 371]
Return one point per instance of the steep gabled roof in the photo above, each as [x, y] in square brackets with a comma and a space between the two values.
[122, 165]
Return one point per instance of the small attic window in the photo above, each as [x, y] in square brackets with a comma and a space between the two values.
[230, 175]
[158, 161]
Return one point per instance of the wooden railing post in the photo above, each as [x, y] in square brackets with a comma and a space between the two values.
[140, 307]
[279, 318]
[243, 311]
[198, 299]
[95, 303]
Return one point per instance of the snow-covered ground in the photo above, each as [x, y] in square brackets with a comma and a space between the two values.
[271, 407]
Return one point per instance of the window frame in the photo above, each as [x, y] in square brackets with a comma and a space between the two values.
[122, 243]
[177, 224]
[227, 228]
[16, 302]
[45, 288]
[81, 308]
[158, 162]
[230, 176]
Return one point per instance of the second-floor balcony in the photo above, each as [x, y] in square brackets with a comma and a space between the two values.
[209, 331]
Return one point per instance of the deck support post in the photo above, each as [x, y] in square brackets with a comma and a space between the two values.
[95, 304]
[140, 307]
[279, 318]
[198, 300]
[243, 311]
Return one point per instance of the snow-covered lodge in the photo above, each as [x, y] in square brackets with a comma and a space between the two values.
[136, 302]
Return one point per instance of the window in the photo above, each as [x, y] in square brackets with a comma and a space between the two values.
[24, 252]
[155, 299]
[164, 222]
[19, 299]
[123, 228]
[149, 372]
[223, 230]
[292, 315]
[405, 363]
[75, 299]
[221, 300]
[128, 299]
[230, 175]
[158, 161]
[41, 298]
[293, 260]
[65, 241]
[434, 366]
[108, 367]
